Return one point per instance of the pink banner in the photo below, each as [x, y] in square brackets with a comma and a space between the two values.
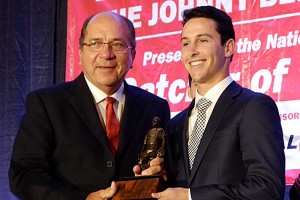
[265, 59]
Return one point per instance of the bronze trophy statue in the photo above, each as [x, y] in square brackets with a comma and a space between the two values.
[141, 187]
[154, 144]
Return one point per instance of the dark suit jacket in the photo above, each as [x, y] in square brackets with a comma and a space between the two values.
[61, 150]
[241, 154]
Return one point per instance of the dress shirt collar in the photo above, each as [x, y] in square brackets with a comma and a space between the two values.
[215, 92]
[100, 95]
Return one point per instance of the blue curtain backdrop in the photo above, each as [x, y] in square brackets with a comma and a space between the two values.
[32, 55]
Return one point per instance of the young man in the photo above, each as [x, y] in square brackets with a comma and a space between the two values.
[232, 148]
[62, 150]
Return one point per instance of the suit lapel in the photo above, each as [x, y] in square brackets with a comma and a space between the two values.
[131, 117]
[184, 130]
[83, 102]
[224, 102]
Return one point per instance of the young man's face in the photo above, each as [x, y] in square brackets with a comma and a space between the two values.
[206, 60]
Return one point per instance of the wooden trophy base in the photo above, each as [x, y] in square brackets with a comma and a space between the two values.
[139, 187]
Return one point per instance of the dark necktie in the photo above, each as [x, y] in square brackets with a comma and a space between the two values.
[198, 129]
[112, 125]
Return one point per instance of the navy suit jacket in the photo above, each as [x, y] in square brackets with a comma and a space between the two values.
[61, 150]
[241, 154]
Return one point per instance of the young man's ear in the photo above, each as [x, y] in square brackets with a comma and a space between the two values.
[229, 48]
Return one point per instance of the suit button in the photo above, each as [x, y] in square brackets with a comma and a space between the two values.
[109, 164]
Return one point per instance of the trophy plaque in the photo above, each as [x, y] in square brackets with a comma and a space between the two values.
[141, 187]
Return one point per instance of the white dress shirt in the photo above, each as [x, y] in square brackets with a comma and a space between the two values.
[100, 103]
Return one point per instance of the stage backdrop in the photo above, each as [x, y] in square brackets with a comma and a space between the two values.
[266, 55]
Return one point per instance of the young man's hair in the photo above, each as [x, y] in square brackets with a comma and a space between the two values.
[223, 21]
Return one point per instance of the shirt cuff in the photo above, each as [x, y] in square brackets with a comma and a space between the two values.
[190, 197]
